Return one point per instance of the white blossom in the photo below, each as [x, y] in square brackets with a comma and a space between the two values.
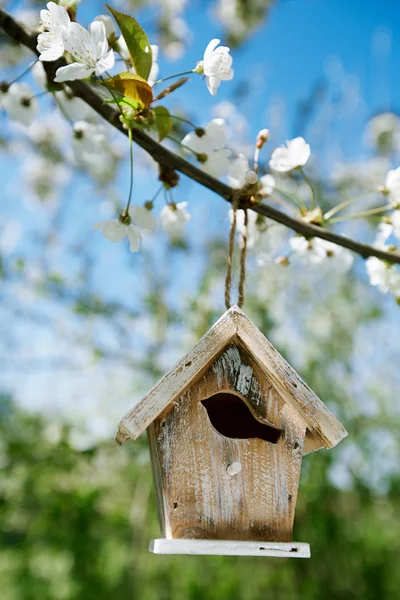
[39, 74]
[122, 49]
[43, 181]
[316, 251]
[240, 174]
[396, 223]
[385, 230]
[173, 218]
[383, 132]
[153, 75]
[267, 184]
[286, 158]
[75, 108]
[20, 103]
[385, 277]
[213, 138]
[392, 186]
[115, 230]
[211, 144]
[88, 138]
[92, 150]
[50, 42]
[237, 172]
[216, 65]
[111, 31]
[89, 49]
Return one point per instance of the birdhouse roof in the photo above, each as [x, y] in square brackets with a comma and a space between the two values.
[235, 327]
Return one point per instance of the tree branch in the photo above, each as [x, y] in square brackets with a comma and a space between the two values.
[165, 157]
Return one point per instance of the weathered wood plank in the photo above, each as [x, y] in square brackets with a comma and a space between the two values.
[230, 548]
[177, 379]
[320, 421]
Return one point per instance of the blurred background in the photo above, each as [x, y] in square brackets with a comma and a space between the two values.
[87, 327]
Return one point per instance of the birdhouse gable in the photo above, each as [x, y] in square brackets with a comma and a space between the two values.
[238, 356]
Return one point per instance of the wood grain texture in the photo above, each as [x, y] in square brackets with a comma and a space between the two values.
[201, 500]
[181, 376]
[230, 548]
[320, 421]
[234, 326]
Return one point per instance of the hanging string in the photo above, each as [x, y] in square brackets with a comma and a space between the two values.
[243, 249]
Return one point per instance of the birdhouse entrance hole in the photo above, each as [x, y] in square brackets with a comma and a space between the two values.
[232, 418]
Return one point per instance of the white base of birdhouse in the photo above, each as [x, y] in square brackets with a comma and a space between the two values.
[230, 548]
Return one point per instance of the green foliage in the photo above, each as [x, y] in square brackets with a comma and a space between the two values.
[136, 40]
[75, 525]
[164, 121]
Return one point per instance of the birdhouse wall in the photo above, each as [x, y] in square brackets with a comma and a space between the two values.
[211, 486]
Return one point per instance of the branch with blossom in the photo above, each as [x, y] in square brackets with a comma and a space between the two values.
[70, 53]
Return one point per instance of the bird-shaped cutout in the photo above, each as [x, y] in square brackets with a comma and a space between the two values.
[232, 418]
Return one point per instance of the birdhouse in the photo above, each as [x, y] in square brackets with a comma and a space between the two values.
[228, 427]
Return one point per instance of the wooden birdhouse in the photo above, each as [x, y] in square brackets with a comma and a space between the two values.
[228, 427]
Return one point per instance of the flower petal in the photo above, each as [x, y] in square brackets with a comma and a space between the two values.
[142, 218]
[134, 238]
[213, 84]
[78, 42]
[210, 48]
[114, 231]
[106, 63]
[97, 31]
[72, 72]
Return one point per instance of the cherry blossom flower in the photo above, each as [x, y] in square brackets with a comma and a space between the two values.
[396, 223]
[20, 103]
[50, 42]
[240, 174]
[317, 251]
[89, 49]
[88, 139]
[212, 137]
[210, 142]
[267, 184]
[237, 172]
[292, 156]
[115, 230]
[392, 186]
[216, 65]
[173, 218]
[384, 276]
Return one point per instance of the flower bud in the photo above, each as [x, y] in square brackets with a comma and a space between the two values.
[282, 260]
[262, 137]
[202, 157]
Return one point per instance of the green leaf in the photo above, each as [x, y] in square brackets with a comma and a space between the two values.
[163, 121]
[131, 86]
[136, 40]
